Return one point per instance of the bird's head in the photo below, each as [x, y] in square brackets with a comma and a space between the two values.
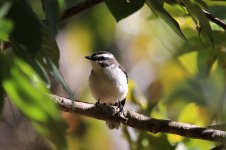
[102, 59]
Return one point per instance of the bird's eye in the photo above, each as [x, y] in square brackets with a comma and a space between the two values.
[102, 58]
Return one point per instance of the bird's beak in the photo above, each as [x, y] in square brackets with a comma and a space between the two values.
[89, 57]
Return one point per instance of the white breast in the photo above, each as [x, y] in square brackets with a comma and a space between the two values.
[108, 85]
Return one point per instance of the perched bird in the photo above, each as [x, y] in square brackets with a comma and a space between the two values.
[108, 81]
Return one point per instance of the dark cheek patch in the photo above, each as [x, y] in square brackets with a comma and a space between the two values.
[104, 64]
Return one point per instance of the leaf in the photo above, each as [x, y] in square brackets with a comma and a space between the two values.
[174, 139]
[193, 118]
[4, 8]
[158, 9]
[30, 38]
[200, 20]
[123, 8]
[6, 26]
[44, 76]
[192, 66]
[26, 36]
[196, 144]
[29, 94]
[153, 141]
[202, 3]
[59, 78]
[52, 9]
[49, 47]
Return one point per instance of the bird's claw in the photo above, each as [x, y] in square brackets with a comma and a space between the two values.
[120, 112]
[97, 104]
[121, 115]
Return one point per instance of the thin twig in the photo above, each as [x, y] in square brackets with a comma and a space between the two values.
[214, 19]
[79, 7]
[140, 121]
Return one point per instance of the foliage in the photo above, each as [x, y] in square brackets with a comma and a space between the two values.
[43, 114]
[192, 80]
[32, 45]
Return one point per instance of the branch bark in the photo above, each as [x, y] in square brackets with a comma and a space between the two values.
[139, 121]
[79, 7]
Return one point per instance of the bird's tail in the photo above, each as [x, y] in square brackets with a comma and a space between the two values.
[113, 125]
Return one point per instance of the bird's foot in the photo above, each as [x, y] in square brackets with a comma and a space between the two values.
[97, 104]
[120, 111]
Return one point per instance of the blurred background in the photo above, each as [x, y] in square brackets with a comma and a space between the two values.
[169, 78]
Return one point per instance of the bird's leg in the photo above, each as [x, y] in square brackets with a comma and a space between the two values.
[116, 103]
[120, 105]
[98, 103]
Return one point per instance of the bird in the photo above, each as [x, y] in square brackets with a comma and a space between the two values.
[108, 82]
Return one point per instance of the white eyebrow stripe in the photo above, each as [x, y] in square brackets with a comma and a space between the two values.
[105, 55]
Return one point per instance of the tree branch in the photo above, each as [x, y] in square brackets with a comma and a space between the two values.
[79, 7]
[139, 121]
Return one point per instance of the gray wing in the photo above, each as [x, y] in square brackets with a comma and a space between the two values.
[122, 102]
[123, 69]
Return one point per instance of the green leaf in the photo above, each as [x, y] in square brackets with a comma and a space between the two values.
[158, 9]
[192, 118]
[123, 8]
[4, 9]
[196, 144]
[153, 141]
[26, 36]
[52, 9]
[200, 20]
[45, 75]
[49, 47]
[202, 3]
[29, 94]
[30, 38]
[6, 27]
[192, 66]
[55, 72]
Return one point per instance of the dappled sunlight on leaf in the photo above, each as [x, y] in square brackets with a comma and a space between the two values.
[189, 62]
[160, 111]
[131, 87]
[6, 27]
[172, 73]
[174, 139]
[192, 114]
[192, 144]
